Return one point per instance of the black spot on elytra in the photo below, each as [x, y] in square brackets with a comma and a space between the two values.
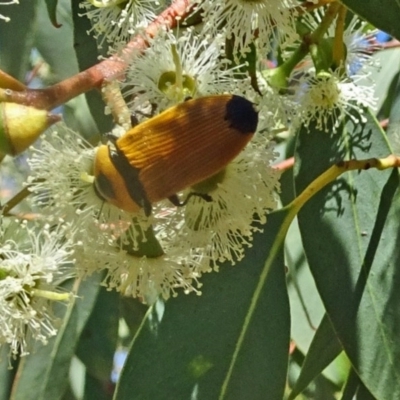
[242, 115]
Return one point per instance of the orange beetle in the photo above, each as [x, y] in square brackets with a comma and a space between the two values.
[176, 149]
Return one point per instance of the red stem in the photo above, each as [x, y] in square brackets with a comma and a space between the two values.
[284, 165]
[93, 77]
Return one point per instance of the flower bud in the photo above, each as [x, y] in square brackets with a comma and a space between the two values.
[106, 3]
[21, 125]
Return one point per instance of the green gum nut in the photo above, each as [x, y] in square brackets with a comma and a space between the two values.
[276, 78]
[168, 84]
[108, 3]
[21, 125]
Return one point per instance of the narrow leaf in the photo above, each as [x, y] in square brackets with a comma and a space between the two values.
[97, 390]
[323, 350]
[394, 116]
[16, 38]
[381, 13]
[52, 42]
[187, 351]
[52, 10]
[99, 338]
[46, 369]
[87, 54]
[350, 235]
[351, 386]
[6, 374]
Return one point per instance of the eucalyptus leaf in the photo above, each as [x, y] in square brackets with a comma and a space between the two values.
[46, 369]
[350, 236]
[381, 13]
[16, 43]
[51, 43]
[393, 130]
[99, 338]
[52, 10]
[6, 374]
[185, 350]
[324, 348]
[87, 55]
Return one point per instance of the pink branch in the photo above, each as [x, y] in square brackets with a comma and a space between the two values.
[93, 77]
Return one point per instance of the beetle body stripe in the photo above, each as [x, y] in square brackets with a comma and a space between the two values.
[182, 146]
[188, 143]
[110, 184]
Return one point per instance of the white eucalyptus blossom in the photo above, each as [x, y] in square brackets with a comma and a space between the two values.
[118, 20]
[149, 278]
[327, 98]
[61, 181]
[106, 237]
[174, 68]
[33, 264]
[260, 22]
[161, 272]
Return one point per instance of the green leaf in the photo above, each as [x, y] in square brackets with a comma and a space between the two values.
[351, 386]
[96, 390]
[355, 389]
[186, 350]
[384, 14]
[307, 313]
[363, 393]
[43, 374]
[52, 10]
[52, 42]
[323, 350]
[6, 374]
[99, 338]
[305, 303]
[133, 312]
[16, 38]
[383, 77]
[394, 116]
[87, 54]
[350, 235]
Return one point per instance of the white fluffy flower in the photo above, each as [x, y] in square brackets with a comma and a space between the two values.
[176, 67]
[33, 265]
[118, 20]
[106, 237]
[148, 278]
[61, 181]
[267, 21]
[327, 98]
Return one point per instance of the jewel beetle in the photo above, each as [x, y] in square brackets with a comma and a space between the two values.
[172, 151]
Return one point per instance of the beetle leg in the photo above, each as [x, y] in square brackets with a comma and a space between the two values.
[176, 202]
